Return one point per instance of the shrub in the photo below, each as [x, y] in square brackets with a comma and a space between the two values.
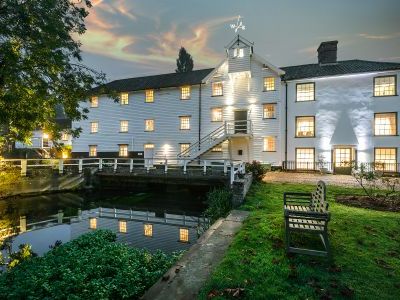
[92, 266]
[257, 169]
[219, 204]
[9, 176]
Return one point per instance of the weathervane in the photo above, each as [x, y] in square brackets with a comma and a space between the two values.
[238, 25]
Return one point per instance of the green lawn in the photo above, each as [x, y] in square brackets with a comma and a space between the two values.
[365, 243]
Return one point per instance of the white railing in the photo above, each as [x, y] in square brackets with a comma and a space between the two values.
[163, 165]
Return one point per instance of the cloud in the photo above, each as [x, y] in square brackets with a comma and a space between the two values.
[380, 37]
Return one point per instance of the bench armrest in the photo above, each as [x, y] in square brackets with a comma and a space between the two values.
[297, 198]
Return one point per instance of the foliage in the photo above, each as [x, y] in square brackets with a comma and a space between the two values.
[9, 176]
[257, 169]
[219, 203]
[375, 185]
[40, 66]
[365, 246]
[184, 63]
[93, 266]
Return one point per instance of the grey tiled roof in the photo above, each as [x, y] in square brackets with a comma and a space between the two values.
[157, 81]
[341, 68]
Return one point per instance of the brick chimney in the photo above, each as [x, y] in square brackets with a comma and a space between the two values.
[327, 53]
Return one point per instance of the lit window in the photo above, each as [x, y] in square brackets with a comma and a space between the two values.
[386, 124]
[385, 86]
[305, 158]
[124, 99]
[342, 157]
[122, 226]
[123, 126]
[185, 92]
[149, 125]
[149, 96]
[148, 146]
[216, 114]
[184, 235]
[269, 111]
[217, 89]
[92, 223]
[305, 92]
[305, 126]
[185, 123]
[123, 150]
[269, 84]
[238, 52]
[184, 147]
[93, 150]
[269, 144]
[94, 127]
[64, 136]
[94, 101]
[148, 229]
[385, 159]
[217, 149]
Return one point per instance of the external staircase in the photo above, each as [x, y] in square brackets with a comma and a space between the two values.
[227, 130]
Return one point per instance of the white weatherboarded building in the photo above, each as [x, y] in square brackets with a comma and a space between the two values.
[248, 109]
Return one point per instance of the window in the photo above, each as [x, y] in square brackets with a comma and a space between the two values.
[122, 226]
[183, 235]
[386, 124]
[92, 150]
[305, 158]
[123, 126]
[149, 125]
[217, 89]
[269, 84]
[148, 146]
[94, 101]
[148, 229]
[216, 114]
[124, 99]
[185, 92]
[92, 223]
[217, 148]
[185, 123]
[305, 92]
[94, 127]
[149, 96]
[123, 150]
[342, 157]
[305, 126]
[385, 159]
[269, 144]
[238, 52]
[184, 147]
[64, 136]
[385, 86]
[269, 111]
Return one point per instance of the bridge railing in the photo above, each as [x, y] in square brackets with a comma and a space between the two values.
[164, 165]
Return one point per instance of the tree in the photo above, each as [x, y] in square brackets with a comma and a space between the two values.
[184, 62]
[41, 66]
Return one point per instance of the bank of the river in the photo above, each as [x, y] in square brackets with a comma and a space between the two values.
[365, 247]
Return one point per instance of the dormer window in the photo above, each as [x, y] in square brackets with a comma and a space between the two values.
[238, 52]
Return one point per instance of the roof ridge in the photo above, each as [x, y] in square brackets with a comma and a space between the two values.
[346, 60]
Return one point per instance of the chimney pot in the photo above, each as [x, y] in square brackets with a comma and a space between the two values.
[327, 53]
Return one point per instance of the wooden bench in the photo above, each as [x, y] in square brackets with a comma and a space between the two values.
[307, 212]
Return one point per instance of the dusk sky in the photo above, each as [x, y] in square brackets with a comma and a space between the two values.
[131, 38]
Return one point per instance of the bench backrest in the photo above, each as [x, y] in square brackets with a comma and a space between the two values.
[318, 198]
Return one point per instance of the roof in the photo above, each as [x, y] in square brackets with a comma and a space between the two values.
[341, 68]
[156, 81]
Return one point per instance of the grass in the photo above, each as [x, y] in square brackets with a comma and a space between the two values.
[365, 244]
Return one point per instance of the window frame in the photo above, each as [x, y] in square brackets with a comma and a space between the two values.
[264, 86]
[295, 159]
[122, 228]
[91, 101]
[274, 104]
[186, 235]
[301, 83]
[127, 99]
[119, 150]
[190, 92]
[97, 128]
[127, 126]
[383, 76]
[95, 147]
[148, 230]
[212, 114]
[145, 127]
[146, 99]
[266, 137]
[395, 156]
[215, 149]
[395, 120]
[180, 146]
[180, 123]
[295, 129]
[212, 88]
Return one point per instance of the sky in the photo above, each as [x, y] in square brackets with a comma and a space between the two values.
[132, 38]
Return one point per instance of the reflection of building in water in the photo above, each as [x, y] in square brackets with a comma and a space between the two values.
[170, 232]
